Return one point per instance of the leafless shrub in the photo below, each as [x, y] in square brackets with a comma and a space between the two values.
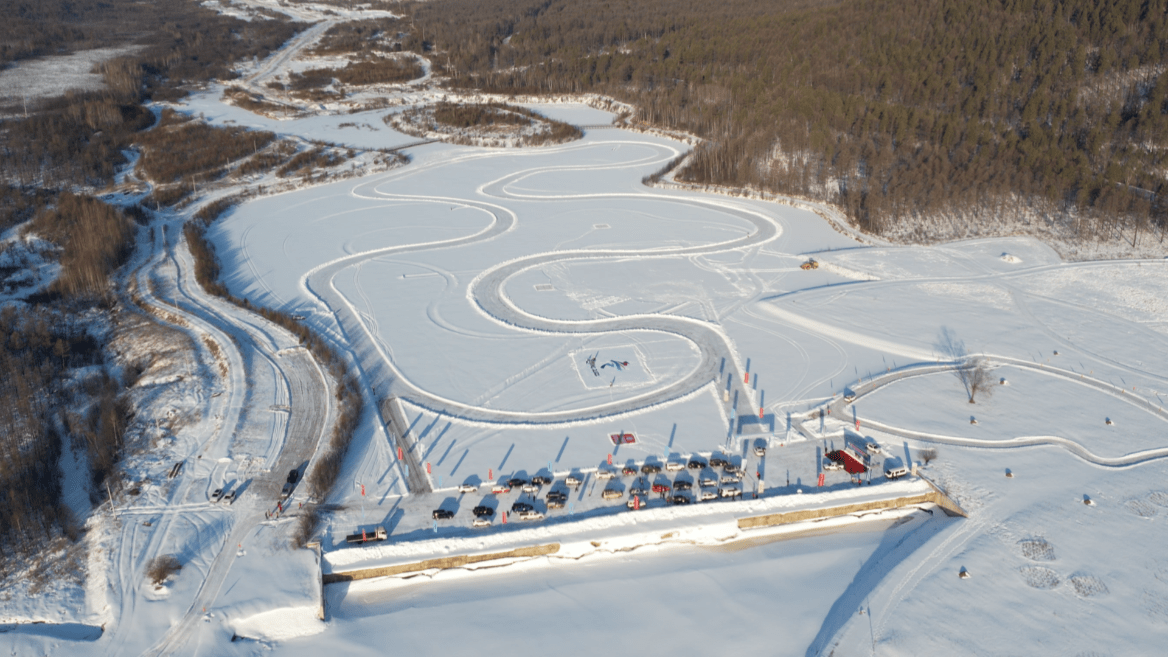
[927, 455]
[162, 567]
[305, 525]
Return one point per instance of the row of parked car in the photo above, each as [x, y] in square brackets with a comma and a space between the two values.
[712, 486]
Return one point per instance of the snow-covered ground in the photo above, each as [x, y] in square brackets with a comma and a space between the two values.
[480, 287]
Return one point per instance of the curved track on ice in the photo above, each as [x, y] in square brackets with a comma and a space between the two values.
[488, 293]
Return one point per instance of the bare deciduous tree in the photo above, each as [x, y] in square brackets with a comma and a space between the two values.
[972, 371]
[975, 375]
[927, 455]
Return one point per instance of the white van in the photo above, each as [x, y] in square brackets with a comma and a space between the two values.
[894, 469]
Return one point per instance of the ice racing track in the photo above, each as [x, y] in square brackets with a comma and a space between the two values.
[488, 293]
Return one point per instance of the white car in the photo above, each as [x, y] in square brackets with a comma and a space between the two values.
[760, 450]
[468, 488]
[530, 515]
[730, 479]
[674, 466]
[229, 497]
[829, 464]
[605, 474]
[612, 493]
[500, 489]
[530, 488]
[707, 481]
[216, 494]
[708, 494]
[572, 481]
[873, 448]
[636, 503]
[730, 492]
[481, 522]
[894, 468]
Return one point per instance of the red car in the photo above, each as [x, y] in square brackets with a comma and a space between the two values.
[661, 488]
[629, 470]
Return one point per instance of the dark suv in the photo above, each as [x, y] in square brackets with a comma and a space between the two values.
[483, 511]
[520, 507]
[443, 514]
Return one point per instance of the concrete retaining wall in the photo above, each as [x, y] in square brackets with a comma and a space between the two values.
[455, 561]
[935, 497]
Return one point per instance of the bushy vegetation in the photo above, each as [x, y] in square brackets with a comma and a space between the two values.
[38, 349]
[892, 110]
[474, 115]
[78, 139]
[372, 70]
[183, 150]
[161, 568]
[95, 239]
[359, 36]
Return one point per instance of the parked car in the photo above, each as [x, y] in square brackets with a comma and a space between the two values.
[829, 464]
[680, 499]
[894, 468]
[604, 473]
[530, 488]
[516, 482]
[708, 494]
[650, 468]
[636, 502]
[555, 504]
[557, 495]
[730, 468]
[540, 480]
[760, 448]
[286, 491]
[674, 466]
[443, 514]
[638, 490]
[483, 511]
[216, 494]
[612, 493]
[695, 464]
[500, 489]
[730, 479]
[229, 497]
[468, 488]
[708, 481]
[682, 484]
[731, 491]
[530, 515]
[520, 507]
[481, 522]
[718, 462]
[572, 481]
[293, 476]
[629, 470]
[873, 447]
[661, 488]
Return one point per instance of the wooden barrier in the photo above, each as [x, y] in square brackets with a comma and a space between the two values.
[456, 561]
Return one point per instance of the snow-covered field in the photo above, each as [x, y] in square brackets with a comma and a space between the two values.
[522, 305]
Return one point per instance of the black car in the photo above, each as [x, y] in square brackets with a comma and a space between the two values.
[629, 470]
[483, 511]
[680, 499]
[695, 464]
[294, 476]
[682, 484]
[637, 490]
[718, 461]
[730, 468]
[443, 514]
[650, 468]
[556, 496]
[540, 480]
[520, 507]
[516, 482]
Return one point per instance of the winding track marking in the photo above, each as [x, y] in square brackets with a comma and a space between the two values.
[486, 293]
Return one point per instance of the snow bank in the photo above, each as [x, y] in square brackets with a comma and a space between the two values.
[272, 593]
